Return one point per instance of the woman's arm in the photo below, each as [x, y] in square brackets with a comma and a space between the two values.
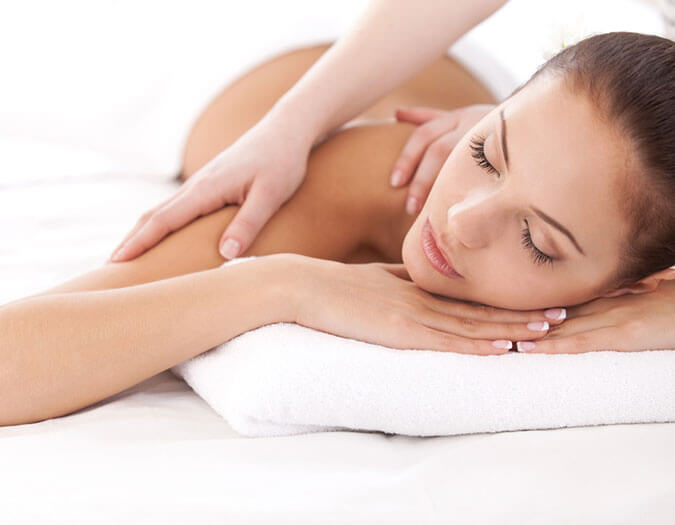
[390, 42]
[62, 352]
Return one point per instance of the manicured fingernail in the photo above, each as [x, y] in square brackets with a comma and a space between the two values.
[556, 313]
[502, 344]
[538, 326]
[396, 178]
[525, 346]
[230, 248]
[411, 206]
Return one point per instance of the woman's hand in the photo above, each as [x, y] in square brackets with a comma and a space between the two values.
[429, 145]
[378, 303]
[260, 171]
[626, 323]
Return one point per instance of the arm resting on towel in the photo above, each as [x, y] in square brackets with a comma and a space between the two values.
[62, 352]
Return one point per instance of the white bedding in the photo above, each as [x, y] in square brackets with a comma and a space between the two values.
[157, 453]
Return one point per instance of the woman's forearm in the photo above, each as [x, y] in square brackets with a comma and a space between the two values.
[391, 41]
[62, 352]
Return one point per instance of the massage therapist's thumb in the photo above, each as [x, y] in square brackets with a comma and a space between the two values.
[253, 214]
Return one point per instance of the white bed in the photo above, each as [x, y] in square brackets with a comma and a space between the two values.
[90, 142]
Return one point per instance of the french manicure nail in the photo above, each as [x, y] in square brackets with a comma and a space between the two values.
[396, 178]
[411, 205]
[502, 344]
[538, 326]
[230, 248]
[525, 346]
[556, 314]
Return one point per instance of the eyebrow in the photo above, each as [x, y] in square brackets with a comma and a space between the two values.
[559, 227]
[505, 151]
[540, 213]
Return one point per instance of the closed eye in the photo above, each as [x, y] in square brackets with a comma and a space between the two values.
[478, 153]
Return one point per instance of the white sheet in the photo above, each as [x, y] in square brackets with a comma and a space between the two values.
[157, 453]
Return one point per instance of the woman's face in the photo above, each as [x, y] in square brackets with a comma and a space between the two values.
[541, 229]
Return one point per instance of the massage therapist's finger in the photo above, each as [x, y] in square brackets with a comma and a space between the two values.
[119, 254]
[173, 215]
[427, 171]
[417, 144]
[251, 217]
[418, 114]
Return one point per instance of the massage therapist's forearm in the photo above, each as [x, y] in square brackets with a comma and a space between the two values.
[62, 352]
[391, 41]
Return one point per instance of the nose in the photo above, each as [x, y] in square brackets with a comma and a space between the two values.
[478, 219]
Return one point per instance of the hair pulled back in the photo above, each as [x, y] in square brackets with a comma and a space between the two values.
[630, 78]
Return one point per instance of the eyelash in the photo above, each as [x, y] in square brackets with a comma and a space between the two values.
[538, 256]
[478, 153]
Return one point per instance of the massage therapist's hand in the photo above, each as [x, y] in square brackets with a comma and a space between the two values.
[429, 145]
[378, 303]
[628, 323]
[260, 171]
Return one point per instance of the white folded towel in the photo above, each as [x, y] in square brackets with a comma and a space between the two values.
[285, 379]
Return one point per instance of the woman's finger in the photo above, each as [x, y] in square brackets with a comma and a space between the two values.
[580, 324]
[414, 149]
[476, 329]
[256, 210]
[421, 337]
[481, 312]
[427, 171]
[418, 115]
[607, 338]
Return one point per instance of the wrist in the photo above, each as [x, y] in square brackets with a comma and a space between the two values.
[283, 274]
[296, 120]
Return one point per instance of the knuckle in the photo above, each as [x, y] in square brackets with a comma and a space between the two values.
[467, 322]
[485, 310]
[468, 326]
[633, 328]
[268, 191]
[399, 319]
[424, 133]
[438, 149]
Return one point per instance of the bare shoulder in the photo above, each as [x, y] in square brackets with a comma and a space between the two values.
[338, 213]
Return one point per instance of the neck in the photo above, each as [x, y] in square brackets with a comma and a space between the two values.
[393, 223]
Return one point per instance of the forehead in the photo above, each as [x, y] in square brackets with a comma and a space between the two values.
[573, 164]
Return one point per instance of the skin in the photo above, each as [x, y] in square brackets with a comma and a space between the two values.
[344, 211]
[564, 161]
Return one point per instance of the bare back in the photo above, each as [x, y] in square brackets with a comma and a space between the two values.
[345, 210]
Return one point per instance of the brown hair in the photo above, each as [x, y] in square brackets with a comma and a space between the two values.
[630, 78]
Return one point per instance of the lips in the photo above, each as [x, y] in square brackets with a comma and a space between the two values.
[435, 254]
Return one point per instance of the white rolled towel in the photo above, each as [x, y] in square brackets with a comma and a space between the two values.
[284, 379]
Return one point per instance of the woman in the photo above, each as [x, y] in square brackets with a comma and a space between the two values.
[355, 72]
[518, 217]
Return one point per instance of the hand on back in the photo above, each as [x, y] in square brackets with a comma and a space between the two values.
[260, 171]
